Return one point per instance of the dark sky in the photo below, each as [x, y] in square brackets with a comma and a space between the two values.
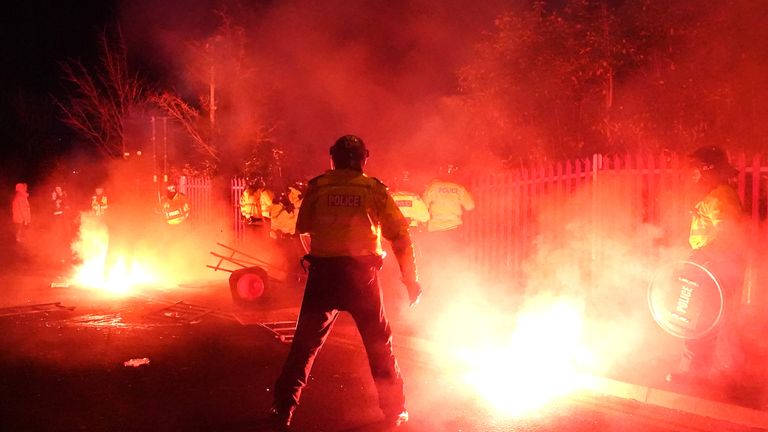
[434, 38]
[36, 36]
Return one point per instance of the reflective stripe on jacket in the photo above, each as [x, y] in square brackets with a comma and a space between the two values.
[176, 209]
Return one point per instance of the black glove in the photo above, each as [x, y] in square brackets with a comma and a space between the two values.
[414, 291]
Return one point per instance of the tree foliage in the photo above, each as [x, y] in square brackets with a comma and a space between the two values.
[99, 99]
[226, 124]
[610, 76]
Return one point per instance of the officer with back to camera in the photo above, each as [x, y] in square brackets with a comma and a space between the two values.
[346, 213]
[447, 200]
[410, 203]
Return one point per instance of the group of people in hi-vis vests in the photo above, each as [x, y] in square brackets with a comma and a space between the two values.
[439, 209]
[261, 208]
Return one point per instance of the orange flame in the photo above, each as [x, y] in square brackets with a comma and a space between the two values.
[515, 362]
[537, 364]
[120, 275]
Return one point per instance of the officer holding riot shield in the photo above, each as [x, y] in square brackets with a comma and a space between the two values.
[716, 263]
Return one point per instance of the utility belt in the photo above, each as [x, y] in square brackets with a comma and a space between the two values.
[376, 261]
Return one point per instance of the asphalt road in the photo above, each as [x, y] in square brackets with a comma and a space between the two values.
[64, 370]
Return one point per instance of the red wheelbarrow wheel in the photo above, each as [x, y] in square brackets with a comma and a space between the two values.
[248, 285]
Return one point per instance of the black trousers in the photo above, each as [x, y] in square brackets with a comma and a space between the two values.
[342, 284]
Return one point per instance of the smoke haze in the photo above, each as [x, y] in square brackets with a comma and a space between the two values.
[302, 73]
[318, 70]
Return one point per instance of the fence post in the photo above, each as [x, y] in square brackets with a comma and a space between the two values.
[237, 185]
[597, 164]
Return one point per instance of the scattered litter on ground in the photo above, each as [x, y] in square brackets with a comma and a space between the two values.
[34, 308]
[60, 282]
[136, 362]
[182, 313]
[282, 330]
[98, 321]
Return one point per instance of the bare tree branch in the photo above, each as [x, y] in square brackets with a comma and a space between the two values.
[98, 101]
[189, 118]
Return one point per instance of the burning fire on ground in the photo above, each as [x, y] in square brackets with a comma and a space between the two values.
[113, 271]
[517, 364]
[539, 361]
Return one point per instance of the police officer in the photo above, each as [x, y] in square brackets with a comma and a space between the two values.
[283, 212]
[716, 241]
[255, 203]
[62, 223]
[446, 201]
[175, 205]
[345, 213]
[250, 205]
[99, 202]
[410, 203]
[59, 201]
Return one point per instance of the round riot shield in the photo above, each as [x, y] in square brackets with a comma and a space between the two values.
[686, 300]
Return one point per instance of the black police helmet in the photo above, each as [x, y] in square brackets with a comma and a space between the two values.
[712, 159]
[349, 151]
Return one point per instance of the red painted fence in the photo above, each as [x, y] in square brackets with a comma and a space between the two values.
[200, 195]
[591, 203]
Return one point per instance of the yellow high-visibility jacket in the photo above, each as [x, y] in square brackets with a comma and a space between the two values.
[345, 212]
[250, 204]
[99, 205]
[718, 212]
[176, 209]
[256, 202]
[412, 207]
[266, 197]
[283, 220]
[446, 202]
